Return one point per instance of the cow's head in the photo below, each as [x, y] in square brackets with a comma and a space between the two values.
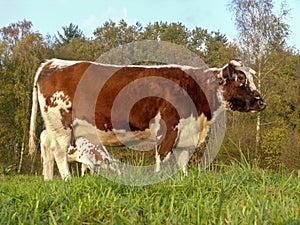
[239, 90]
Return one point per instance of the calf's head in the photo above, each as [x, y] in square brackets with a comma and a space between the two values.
[239, 90]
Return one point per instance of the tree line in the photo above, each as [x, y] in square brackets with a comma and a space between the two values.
[271, 137]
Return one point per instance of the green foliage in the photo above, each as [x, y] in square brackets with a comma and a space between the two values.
[198, 40]
[22, 51]
[271, 144]
[112, 35]
[291, 151]
[235, 195]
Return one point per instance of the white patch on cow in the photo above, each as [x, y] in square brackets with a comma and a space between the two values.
[168, 156]
[222, 107]
[52, 115]
[157, 161]
[154, 127]
[59, 63]
[192, 131]
[250, 80]
[182, 67]
[235, 63]
[159, 137]
[252, 71]
[248, 73]
[60, 100]
[182, 157]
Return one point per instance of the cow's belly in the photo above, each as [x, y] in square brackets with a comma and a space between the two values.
[191, 132]
[115, 137]
[122, 137]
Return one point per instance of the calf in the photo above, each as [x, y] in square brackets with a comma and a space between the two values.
[89, 155]
[97, 154]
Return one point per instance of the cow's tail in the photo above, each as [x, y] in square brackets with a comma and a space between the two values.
[32, 136]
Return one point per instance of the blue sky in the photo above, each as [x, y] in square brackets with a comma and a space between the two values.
[48, 16]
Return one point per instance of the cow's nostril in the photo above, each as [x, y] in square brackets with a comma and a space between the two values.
[262, 105]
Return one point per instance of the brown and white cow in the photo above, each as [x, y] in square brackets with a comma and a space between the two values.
[91, 156]
[170, 106]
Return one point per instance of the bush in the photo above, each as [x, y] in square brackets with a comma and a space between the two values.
[271, 146]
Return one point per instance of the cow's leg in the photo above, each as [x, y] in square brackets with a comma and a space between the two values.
[157, 160]
[47, 155]
[85, 163]
[61, 156]
[48, 161]
[182, 157]
[62, 163]
[83, 169]
[165, 149]
[48, 166]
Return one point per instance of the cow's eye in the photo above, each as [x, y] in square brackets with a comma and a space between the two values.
[240, 78]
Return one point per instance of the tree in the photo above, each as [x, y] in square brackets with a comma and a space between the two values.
[175, 33]
[70, 32]
[113, 35]
[21, 53]
[260, 33]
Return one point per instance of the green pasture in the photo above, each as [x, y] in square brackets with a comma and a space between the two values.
[234, 194]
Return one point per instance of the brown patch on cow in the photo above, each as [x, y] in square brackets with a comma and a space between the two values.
[46, 71]
[97, 154]
[72, 150]
[147, 108]
[66, 119]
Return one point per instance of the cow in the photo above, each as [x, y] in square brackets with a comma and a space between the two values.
[169, 106]
[90, 156]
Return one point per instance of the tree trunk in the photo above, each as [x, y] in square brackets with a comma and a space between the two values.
[258, 118]
[21, 158]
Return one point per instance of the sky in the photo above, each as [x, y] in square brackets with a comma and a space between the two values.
[49, 16]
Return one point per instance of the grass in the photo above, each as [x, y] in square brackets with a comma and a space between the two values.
[236, 194]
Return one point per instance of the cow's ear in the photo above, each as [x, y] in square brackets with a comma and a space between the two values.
[229, 72]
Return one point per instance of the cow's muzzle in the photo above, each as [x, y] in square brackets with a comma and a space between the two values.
[258, 105]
